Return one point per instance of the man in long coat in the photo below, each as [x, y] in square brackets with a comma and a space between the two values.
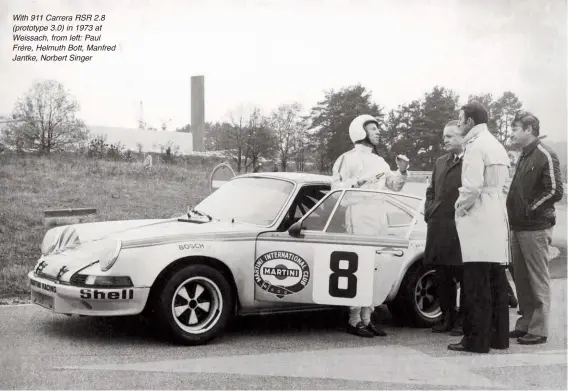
[483, 230]
[443, 249]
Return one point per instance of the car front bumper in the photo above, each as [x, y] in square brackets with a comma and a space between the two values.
[79, 300]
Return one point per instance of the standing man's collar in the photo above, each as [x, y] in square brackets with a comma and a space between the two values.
[364, 148]
[452, 156]
[474, 132]
[531, 147]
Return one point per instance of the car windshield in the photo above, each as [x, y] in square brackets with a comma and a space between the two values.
[248, 200]
[414, 203]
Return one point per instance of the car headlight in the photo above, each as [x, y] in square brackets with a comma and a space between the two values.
[57, 240]
[50, 241]
[108, 253]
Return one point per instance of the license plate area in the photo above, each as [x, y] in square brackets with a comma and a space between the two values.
[42, 300]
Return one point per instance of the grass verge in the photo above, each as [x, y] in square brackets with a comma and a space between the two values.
[118, 190]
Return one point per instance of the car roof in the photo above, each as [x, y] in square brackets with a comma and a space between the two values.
[307, 178]
[298, 177]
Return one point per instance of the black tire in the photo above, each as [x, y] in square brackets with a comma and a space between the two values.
[406, 309]
[205, 284]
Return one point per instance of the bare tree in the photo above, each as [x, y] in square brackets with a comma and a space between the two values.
[261, 141]
[235, 137]
[286, 122]
[44, 120]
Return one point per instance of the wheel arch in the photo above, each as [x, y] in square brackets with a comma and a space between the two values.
[179, 264]
[415, 260]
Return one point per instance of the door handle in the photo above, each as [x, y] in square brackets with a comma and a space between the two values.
[396, 253]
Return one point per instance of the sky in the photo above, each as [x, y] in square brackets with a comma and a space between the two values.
[267, 53]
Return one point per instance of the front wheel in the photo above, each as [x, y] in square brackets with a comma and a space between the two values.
[194, 305]
[416, 303]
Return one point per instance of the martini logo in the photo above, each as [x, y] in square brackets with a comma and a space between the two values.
[281, 273]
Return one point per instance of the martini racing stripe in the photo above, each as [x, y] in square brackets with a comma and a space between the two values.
[355, 241]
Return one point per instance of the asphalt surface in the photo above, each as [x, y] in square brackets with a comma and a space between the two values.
[40, 350]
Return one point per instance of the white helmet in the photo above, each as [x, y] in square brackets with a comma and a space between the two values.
[357, 130]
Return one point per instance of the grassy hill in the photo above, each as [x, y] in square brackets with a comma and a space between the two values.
[118, 190]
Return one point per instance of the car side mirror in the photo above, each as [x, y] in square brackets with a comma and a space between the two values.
[295, 229]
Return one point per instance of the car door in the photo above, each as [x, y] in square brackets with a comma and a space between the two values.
[330, 261]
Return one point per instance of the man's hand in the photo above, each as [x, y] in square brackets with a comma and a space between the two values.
[402, 162]
[461, 212]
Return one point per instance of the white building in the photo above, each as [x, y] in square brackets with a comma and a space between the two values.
[147, 140]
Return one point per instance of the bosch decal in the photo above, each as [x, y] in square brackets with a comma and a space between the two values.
[191, 246]
[96, 294]
[281, 273]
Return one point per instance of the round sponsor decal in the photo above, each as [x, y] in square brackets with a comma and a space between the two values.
[281, 273]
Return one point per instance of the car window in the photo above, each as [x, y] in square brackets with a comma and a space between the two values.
[397, 216]
[369, 214]
[318, 218]
[250, 200]
[306, 198]
[412, 202]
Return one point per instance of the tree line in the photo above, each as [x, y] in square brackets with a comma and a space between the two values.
[44, 120]
[293, 139]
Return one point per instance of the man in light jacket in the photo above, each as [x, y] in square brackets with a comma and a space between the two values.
[483, 230]
[362, 167]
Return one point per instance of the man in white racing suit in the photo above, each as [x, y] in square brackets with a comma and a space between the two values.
[363, 168]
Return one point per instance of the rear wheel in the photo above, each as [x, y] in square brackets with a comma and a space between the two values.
[195, 305]
[416, 303]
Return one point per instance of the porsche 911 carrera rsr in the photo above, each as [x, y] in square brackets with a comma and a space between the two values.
[261, 243]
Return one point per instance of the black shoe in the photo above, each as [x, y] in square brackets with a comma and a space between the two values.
[376, 330]
[441, 328]
[531, 339]
[360, 330]
[513, 302]
[517, 334]
[458, 347]
[456, 332]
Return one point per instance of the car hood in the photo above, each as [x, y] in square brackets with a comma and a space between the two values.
[136, 230]
[132, 233]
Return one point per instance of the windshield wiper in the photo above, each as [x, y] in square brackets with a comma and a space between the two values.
[200, 214]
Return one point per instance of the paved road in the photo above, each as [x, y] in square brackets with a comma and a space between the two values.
[41, 350]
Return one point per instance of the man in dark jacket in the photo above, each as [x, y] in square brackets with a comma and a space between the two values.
[442, 243]
[536, 187]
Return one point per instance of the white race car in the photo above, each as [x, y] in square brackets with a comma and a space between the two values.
[261, 243]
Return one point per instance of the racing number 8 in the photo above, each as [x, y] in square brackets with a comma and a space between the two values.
[350, 291]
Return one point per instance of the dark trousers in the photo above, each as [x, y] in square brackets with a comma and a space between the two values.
[446, 278]
[510, 289]
[486, 322]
